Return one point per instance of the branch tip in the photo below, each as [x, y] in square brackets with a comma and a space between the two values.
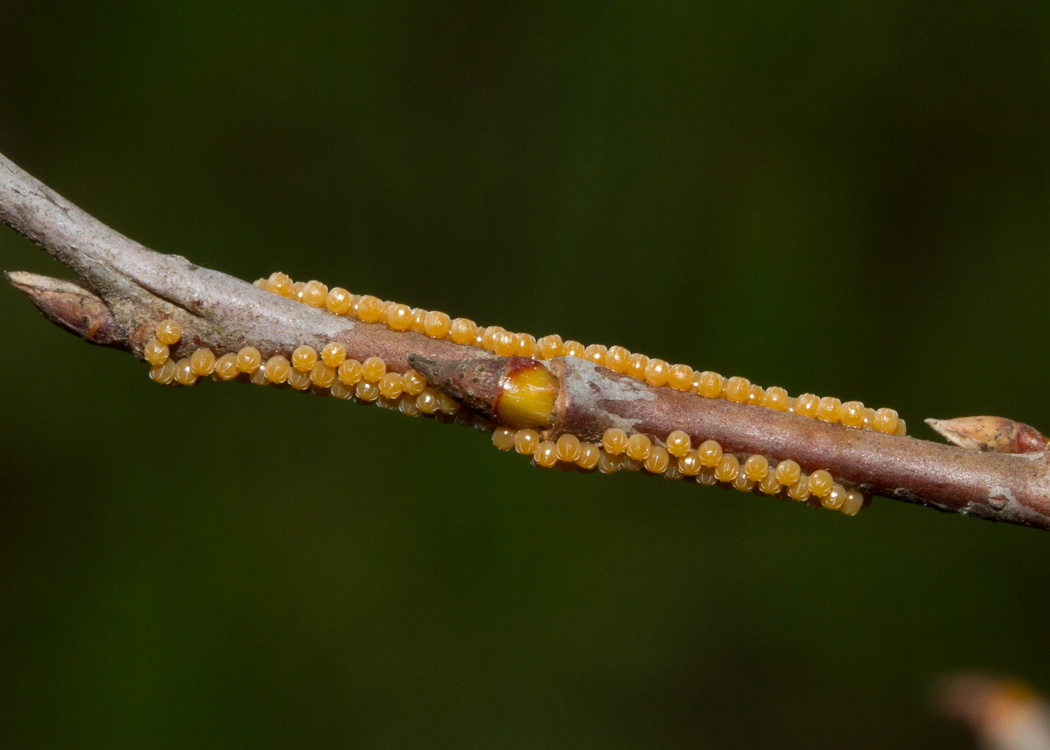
[70, 306]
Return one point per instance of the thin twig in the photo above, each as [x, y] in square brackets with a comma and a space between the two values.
[125, 289]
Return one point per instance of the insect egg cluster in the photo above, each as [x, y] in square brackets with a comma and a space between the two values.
[676, 458]
[331, 371]
[656, 372]
[328, 372]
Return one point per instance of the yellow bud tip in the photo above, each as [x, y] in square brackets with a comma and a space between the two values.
[515, 392]
[527, 394]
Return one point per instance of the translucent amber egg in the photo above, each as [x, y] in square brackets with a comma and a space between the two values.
[572, 349]
[678, 443]
[769, 485]
[427, 401]
[488, 337]
[526, 345]
[437, 324]
[546, 454]
[349, 372]
[373, 369]
[333, 354]
[163, 373]
[710, 453]
[728, 468]
[737, 390]
[829, 409]
[261, 284]
[616, 358]
[503, 438]
[366, 390]
[756, 467]
[279, 283]
[155, 352]
[398, 317]
[407, 406]
[322, 375]
[169, 332]
[184, 374]
[298, 379]
[277, 369]
[419, 320]
[390, 404]
[689, 464]
[315, 294]
[806, 405]
[595, 353]
[788, 472]
[304, 358]
[391, 385]
[706, 476]
[505, 343]
[630, 464]
[680, 377]
[413, 382]
[608, 463]
[820, 483]
[853, 503]
[800, 490]
[755, 395]
[710, 384]
[259, 377]
[568, 448]
[886, 420]
[525, 441]
[369, 309]
[341, 391]
[852, 414]
[834, 500]
[337, 301]
[447, 404]
[636, 365]
[869, 417]
[462, 330]
[742, 483]
[657, 371]
[775, 398]
[658, 460]
[226, 367]
[203, 362]
[296, 292]
[614, 441]
[638, 446]
[249, 360]
[590, 454]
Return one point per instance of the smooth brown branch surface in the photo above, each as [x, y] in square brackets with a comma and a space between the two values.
[125, 289]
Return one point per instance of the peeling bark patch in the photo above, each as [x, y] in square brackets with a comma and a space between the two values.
[999, 496]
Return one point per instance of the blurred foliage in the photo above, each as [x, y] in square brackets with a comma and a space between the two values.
[841, 199]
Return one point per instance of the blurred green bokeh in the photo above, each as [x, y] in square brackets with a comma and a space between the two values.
[839, 199]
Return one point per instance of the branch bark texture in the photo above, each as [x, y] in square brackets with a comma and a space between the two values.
[124, 289]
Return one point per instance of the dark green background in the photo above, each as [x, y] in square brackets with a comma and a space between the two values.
[839, 199]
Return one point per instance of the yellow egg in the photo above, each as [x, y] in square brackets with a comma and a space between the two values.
[678, 443]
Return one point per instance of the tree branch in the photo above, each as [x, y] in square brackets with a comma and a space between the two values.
[125, 289]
